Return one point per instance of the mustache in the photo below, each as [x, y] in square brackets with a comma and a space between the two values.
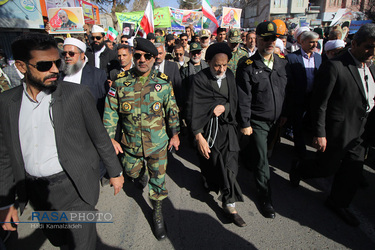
[50, 76]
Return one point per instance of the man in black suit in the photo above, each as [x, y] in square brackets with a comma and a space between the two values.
[51, 140]
[342, 99]
[77, 70]
[99, 55]
[304, 64]
[169, 68]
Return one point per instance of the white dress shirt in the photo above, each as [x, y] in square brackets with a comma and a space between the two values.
[37, 135]
[97, 57]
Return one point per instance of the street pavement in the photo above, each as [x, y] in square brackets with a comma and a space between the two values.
[195, 219]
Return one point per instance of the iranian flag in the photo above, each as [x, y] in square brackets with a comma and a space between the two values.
[112, 34]
[207, 12]
[147, 22]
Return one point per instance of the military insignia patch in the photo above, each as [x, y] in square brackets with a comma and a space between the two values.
[270, 27]
[126, 106]
[122, 74]
[156, 106]
[127, 83]
[195, 45]
[157, 87]
[248, 62]
[112, 92]
[235, 33]
[163, 76]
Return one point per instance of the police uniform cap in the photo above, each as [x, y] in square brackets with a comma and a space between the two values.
[234, 36]
[145, 45]
[195, 46]
[204, 33]
[266, 28]
[217, 48]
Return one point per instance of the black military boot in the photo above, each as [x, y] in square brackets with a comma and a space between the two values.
[157, 218]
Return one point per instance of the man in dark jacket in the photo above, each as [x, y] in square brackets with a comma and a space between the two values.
[261, 84]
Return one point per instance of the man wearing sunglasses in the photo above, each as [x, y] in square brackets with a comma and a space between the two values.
[124, 39]
[184, 43]
[179, 56]
[261, 81]
[51, 141]
[142, 99]
[99, 55]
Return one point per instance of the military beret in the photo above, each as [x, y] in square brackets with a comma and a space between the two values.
[145, 45]
[217, 48]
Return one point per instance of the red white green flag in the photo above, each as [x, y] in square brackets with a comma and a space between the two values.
[112, 33]
[207, 12]
[147, 22]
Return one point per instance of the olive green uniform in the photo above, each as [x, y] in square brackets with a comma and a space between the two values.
[237, 58]
[147, 110]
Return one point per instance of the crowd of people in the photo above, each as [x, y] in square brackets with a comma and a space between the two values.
[69, 106]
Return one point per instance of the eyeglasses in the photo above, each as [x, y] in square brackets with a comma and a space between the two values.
[97, 37]
[184, 39]
[147, 56]
[194, 53]
[44, 66]
[70, 53]
[124, 42]
[269, 38]
[179, 54]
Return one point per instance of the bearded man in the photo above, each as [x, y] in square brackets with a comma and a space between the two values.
[77, 70]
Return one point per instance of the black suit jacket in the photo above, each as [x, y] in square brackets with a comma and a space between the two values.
[96, 80]
[81, 140]
[339, 102]
[172, 71]
[297, 80]
[108, 59]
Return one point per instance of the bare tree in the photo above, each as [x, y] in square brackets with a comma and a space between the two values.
[190, 4]
[111, 7]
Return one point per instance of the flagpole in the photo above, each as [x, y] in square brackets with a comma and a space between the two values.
[136, 32]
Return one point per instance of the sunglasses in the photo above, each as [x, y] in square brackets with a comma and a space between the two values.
[97, 37]
[126, 42]
[44, 66]
[269, 38]
[70, 53]
[179, 54]
[138, 56]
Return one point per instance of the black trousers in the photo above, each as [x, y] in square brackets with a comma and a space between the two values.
[345, 164]
[58, 193]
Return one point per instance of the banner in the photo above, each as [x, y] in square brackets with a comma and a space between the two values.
[355, 25]
[61, 3]
[88, 12]
[182, 18]
[21, 14]
[66, 20]
[231, 18]
[162, 18]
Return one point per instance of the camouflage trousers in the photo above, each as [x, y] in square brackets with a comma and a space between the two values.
[156, 166]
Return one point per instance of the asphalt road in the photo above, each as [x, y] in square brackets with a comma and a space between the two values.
[195, 220]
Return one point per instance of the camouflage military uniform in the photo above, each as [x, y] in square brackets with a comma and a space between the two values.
[4, 82]
[146, 107]
[237, 58]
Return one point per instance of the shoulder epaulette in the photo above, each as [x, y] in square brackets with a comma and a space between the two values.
[122, 74]
[163, 76]
[249, 61]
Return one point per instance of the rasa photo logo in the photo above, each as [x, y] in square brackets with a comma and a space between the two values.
[71, 217]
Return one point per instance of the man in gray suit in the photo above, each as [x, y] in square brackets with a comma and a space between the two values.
[51, 139]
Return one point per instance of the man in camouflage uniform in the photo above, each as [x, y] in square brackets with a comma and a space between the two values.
[143, 100]
[239, 54]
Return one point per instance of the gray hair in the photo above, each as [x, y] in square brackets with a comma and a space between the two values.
[365, 32]
[157, 45]
[309, 35]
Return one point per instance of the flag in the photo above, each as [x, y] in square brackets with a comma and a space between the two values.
[112, 33]
[147, 22]
[207, 12]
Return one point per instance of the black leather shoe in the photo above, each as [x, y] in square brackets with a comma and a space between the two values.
[343, 213]
[237, 220]
[267, 209]
[158, 221]
[294, 176]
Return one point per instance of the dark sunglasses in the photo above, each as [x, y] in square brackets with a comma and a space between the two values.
[44, 66]
[269, 38]
[70, 53]
[97, 37]
[124, 42]
[179, 54]
[138, 56]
